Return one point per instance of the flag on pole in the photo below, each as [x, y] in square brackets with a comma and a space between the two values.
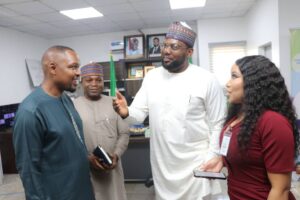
[112, 77]
[190, 60]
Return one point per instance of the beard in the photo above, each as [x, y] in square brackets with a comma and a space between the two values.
[175, 65]
[93, 96]
[70, 89]
[67, 87]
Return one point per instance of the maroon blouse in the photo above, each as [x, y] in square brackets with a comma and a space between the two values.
[271, 149]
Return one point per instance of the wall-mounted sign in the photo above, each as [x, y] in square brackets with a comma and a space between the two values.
[116, 45]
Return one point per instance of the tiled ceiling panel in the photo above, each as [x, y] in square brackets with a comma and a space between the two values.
[116, 8]
[5, 12]
[65, 4]
[105, 2]
[51, 17]
[12, 1]
[29, 8]
[42, 17]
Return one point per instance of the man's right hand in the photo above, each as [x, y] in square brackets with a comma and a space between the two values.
[120, 105]
[94, 161]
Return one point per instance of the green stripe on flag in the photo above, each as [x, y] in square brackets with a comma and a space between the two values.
[112, 77]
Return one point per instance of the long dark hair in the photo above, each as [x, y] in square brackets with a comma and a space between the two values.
[264, 89]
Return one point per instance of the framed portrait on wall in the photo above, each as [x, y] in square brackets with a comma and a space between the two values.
[154, 44]
[134, 46]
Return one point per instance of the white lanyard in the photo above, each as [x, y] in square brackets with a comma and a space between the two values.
[226, 141]
[74, 124]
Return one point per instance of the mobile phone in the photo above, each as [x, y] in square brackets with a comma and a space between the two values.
[209, 175]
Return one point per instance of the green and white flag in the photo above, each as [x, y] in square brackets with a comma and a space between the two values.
[112, 77]
[295, 68]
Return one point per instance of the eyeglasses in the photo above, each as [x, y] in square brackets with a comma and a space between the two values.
[173, 46]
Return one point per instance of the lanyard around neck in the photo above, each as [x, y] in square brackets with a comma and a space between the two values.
[74, 123]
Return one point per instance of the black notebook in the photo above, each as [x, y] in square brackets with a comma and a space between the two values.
[102, 155]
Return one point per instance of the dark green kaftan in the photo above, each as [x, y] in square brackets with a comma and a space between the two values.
[50, 157]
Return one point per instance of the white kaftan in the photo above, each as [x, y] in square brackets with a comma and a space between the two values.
[186, 112]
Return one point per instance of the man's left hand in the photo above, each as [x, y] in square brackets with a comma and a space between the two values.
[114, 159]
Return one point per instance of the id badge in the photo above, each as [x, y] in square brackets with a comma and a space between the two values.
[225, 142]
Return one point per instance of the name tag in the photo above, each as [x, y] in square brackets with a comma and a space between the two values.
[225, 142]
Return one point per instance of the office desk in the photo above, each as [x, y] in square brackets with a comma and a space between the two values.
[136, 160]
[7, 152]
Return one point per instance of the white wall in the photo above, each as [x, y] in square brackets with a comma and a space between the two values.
[268, 21]
[218, 30]
[93, 47]
[258, 27]
[289, 16]
[96, 47]
[14, 79]
[263, 27]
[16, 46]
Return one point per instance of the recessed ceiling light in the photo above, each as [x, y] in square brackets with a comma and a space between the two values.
[179, 4]
[82, 13]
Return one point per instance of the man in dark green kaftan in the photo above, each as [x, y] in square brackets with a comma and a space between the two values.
[48, 138]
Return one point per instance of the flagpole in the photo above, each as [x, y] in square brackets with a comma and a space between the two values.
[190, 60]
[112, 77]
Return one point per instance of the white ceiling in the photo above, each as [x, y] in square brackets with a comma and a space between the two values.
[42, 17]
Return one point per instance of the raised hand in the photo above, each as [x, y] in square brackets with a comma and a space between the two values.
[120, 105]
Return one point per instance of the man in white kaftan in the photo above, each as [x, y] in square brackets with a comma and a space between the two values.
[186, 108]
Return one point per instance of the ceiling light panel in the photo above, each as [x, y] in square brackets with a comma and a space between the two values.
[180, 4]
[82, 13]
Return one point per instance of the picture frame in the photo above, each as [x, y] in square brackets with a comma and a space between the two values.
[139, 73]
[135, 71]
[147, 69]
[134, 46]
[154, 44]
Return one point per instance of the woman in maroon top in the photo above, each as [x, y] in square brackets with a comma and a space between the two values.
[261, 130]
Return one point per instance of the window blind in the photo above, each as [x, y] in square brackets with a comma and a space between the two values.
[222, 56]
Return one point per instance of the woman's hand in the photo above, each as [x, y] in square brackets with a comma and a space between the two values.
[213, 165]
